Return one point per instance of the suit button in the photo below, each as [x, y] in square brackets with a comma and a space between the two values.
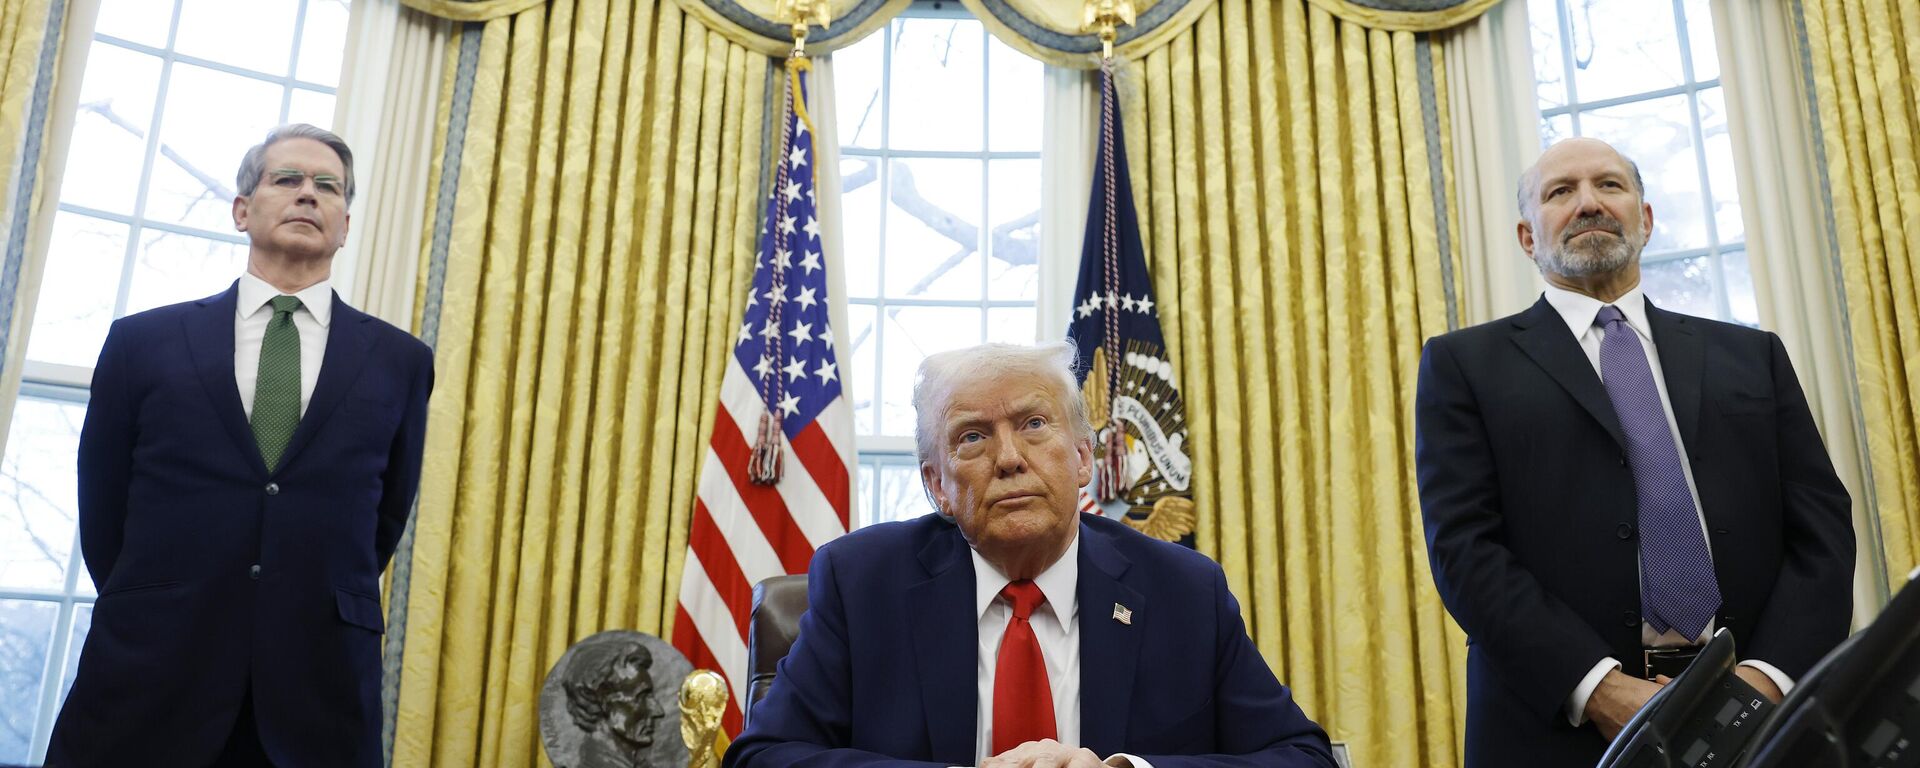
[1629, 619]
[1624, 530]
[273, 489]
[254, 573]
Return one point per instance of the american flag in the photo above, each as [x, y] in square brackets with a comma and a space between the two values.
[783, 364]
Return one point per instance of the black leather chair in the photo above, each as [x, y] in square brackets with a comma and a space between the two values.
[777, 605]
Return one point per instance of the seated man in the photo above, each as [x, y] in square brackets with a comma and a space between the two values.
[1008, 629]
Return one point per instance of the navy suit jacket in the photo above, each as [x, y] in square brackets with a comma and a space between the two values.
[883, 671]
[217, 576]
[1531, 515]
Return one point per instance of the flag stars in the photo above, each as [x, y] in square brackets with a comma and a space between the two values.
[812, 228]
[792, 190]
[801, 333]
[774, 298]
[769, 330]
[786, 225]
[797, 158]
[1126, 303]
[763, 367]
[810, 262]
[825, 372]
[805, 298]
[782, 258]
[796, 369]
[746, 331]
[826, 337]
[790, 405]
[1144, 304]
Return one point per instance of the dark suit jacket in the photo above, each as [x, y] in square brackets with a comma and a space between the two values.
[216, 576]
[1530, 514]
[883, 671]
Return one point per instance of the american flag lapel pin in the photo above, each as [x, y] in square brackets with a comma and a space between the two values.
[1123, 614]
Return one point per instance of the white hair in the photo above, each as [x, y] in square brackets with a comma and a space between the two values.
[253, 164]
[943, 372]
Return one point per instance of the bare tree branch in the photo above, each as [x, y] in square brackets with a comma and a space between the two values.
[105, 109]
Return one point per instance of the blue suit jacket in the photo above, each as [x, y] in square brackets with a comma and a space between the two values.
[883, 669]
[1531, 517]
[216, 575]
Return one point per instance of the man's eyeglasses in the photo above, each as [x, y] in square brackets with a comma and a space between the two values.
[290, 179]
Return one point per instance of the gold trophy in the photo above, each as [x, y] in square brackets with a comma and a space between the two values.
[703, 699]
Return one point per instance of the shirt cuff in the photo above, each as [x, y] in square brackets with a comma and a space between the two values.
[1124, 760]
[1577, 703]
[1773, 673]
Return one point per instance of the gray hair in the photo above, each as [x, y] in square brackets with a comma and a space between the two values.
[943, 372]
[253, 165]
[1529, 192]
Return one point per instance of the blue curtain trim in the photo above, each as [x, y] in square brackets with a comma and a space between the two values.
[1436, 165]
[1026, 28]
[29, 171]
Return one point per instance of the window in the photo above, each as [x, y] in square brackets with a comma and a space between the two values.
[1644, 76]
[938, 135]
[174, 92]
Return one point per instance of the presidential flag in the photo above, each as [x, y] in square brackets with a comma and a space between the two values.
[777, 479]
[1142, 473]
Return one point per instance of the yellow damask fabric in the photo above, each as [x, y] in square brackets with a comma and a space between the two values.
[1286, 196]
[28, 28]
[1864, 58]
[602, 229]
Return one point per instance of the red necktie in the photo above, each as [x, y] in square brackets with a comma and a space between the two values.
[1022, 699]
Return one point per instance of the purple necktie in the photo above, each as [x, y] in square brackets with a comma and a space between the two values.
[1677, 586]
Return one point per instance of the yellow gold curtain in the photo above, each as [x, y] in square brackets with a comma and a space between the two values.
[1285, 164]
[595, 223]
[30, 33]
[1863, 58]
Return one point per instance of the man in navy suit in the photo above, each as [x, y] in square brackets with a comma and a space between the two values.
[1606, 483]
[246, 466]
[1009, 630]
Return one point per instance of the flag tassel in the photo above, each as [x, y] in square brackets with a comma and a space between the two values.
[1110, 478]
[763, 468]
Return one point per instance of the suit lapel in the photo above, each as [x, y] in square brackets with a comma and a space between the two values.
[1109, 648]
[1544, 337]
[945, 633]
[1683, 365]
[350, 338]
[209, 330]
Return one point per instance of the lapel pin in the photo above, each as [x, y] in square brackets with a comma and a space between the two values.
[1123, 614]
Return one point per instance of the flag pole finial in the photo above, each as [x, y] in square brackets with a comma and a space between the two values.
[802, 14]
[1105, 17]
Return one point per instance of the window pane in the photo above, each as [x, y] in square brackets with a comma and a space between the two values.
[250, 34]
[1014, 106]
[1013, 200]
[868, 492]
[1623, 47]
[37, 489]
[935, 99]
[115, 113]
[1681, 285]
[310, 107]
[1721, 181]
[860, 225]
[863, 380]
[1554, 129]
[856, 90]
[1012, 325]
[1658, 134]
[901, 495]
[323, 42]
[77, 292]
[912, 333]
[26, 631]
[142, 21]
[1700, 41]
[172, 268]
[193, 179]
[1549, 65]
[1738, 275]
[933, 229]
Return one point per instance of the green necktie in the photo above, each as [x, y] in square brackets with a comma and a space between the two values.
[276, 393]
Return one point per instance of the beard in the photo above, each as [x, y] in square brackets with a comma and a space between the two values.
[1590, 254]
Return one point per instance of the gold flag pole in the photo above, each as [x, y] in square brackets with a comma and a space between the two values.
[802, 13]
[1105, 17]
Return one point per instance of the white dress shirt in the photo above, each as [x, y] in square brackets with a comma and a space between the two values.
[250, 329]
[1578, 311]
[1056, 625]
